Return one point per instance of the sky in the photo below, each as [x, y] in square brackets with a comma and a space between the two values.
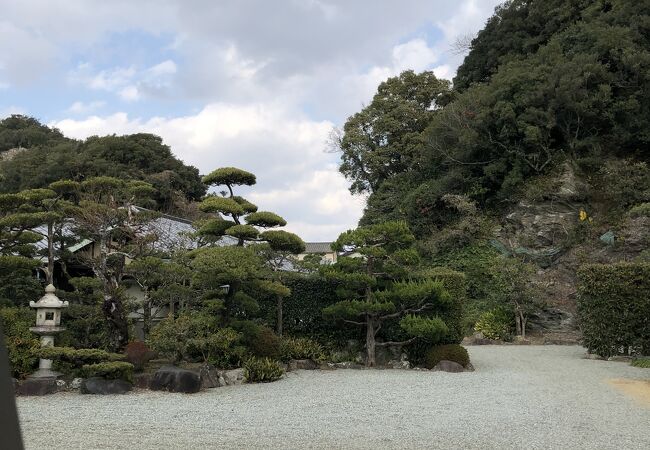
[254, 84]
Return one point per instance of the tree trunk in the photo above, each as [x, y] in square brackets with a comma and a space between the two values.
[146, 317]
[119, 327]
[523, 321]
[112, 307]
[279, 324]
[50, 253]
[370, 341]
[518, 323]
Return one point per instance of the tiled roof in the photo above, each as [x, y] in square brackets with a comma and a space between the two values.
[172, 233]
[318, 247]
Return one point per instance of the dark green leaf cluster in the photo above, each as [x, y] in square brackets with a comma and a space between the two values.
[229, 176]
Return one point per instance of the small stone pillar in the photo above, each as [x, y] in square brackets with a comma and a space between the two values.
[48, 325]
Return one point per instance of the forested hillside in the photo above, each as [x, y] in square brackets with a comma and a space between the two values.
[538, 151]
[33, 155]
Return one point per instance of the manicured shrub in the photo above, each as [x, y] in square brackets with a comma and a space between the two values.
[300, 348]
[220, 348]
[262, 370]
[259, 340]
[78, 356]
[172, 337]
[497, 324]
[614, 308]
[70, 361]
[116, 370]
[138, 354]
[642, 362]
[21, 343]
[449, 352]
[450, 311]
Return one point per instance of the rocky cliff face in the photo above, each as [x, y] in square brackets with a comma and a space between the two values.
[550, 231]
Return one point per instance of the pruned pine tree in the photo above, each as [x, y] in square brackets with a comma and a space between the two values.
[376, 286]
[106, 216]
[235, 217]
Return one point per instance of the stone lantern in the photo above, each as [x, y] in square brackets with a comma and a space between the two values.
[48, 325]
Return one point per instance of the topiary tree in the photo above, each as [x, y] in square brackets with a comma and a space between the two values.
[236, 218]
[376, 286]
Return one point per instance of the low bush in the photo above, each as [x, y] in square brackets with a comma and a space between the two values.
[116, 370]
[138, 354]
[448, 352]
[614, 308]
[221, 348]
[70, 361]
[300, 348]
[497, 324]
[173, 336]
[259, 340]
[21, 343]
[262, 370]
[642, 362]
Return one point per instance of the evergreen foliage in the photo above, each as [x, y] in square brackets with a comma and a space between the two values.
[614, 308]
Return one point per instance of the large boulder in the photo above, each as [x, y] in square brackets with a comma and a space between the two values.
[101, 386]
[38, 386]
[448, 366]
[175, 379]
[142, 380]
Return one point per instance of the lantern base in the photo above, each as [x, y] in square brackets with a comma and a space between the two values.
[43, 374]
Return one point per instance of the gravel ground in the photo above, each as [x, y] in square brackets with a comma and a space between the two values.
[520, 397]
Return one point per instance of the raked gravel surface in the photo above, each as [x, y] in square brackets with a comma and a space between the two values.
[519, 397]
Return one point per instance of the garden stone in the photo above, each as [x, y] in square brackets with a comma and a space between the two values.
[209, 377]
[620, 358]
[175, 379]
[448, 366]
[37, 386]
[469, 368]
[593, 356]
[302, 364]
[347, 365]
[101, 386]
[142, 380]
[402, 364]
[233, 377]
[61, 385]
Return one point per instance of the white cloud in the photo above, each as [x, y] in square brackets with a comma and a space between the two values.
[9, 110]
[129, 93]
[296, 177]
[79, 107]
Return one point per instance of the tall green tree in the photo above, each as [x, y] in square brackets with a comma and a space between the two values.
[384, 138]
[376, 286]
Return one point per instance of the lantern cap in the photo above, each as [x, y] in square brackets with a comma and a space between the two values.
[49, 300]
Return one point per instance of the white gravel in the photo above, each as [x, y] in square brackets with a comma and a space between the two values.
[520, 397]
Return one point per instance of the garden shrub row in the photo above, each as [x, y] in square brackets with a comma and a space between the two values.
[614, 308]
[116, 370]
[262, 370]
[21, 343]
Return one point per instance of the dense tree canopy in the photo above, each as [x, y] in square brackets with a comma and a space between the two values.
[544, 82]
[50, 157]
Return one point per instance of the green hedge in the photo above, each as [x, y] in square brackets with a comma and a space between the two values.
[71, 361]
[450, 352]
[303, 310]
[455, 283]
[614, 308]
